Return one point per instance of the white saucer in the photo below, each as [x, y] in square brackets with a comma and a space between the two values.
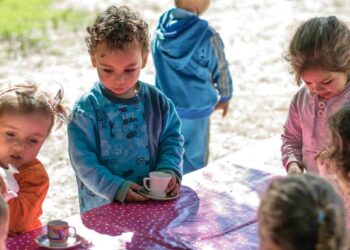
[43, 241]
[143, 191]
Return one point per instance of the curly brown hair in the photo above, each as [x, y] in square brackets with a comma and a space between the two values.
[118, 27]
[322, 43]
[302, 212]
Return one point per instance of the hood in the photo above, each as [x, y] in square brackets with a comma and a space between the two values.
[178, 35]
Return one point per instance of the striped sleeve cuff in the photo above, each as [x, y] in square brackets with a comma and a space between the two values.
[122, 191]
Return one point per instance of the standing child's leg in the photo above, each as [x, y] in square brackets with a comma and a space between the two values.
[196, 135]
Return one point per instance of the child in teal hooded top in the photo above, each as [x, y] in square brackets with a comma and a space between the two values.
[193, 72]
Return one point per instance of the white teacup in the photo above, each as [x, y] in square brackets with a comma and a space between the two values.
[158, 183]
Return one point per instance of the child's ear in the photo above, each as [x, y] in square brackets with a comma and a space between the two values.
[93, 60]
[144, 58]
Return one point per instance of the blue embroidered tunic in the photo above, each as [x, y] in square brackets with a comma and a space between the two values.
[114, 142]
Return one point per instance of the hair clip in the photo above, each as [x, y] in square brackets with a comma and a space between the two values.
[320, 216]
[52, 103]
[58, 98]
[56, 101]
[8, 90]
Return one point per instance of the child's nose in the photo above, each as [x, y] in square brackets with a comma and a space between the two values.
[118, 78]
[18, 147]
[318, 88]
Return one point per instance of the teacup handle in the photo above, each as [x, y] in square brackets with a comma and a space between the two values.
[71, 234]
[145, 183]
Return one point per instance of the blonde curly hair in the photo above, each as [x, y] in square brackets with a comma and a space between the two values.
[25, 97]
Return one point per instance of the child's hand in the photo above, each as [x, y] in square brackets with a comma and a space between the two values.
[173, 187]
[294, 168]
[224, 106]
[3, 183]
[132, 194]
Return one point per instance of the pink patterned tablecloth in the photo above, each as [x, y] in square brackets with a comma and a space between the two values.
[216, 209]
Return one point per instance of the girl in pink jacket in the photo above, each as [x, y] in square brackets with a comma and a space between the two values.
[319, 54]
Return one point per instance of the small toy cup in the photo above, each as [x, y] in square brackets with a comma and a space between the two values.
[58, 231]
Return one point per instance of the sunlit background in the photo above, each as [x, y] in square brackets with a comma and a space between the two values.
[44, 40]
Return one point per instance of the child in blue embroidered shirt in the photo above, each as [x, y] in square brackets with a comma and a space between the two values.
[192, 71]
[122, 128]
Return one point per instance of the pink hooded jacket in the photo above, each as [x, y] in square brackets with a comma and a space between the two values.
[305, 130]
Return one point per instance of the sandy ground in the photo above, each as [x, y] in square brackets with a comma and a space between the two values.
[256, 34]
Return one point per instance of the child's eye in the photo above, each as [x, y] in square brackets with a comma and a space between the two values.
[327, 82]
[33, 141]
[108, 70]
[129, 70]
[10, 134]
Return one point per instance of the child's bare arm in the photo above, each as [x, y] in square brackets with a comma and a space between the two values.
[3, 183]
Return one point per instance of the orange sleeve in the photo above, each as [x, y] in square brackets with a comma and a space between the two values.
[26, 209]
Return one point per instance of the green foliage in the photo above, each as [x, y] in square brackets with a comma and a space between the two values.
[21, 17]
[26, 25]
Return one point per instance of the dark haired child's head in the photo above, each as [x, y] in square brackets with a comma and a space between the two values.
[338, 150]
[27, 116]
[196, 6]
[118, 43]
[301, 212]
[4, 223]
[118, 28]
[319, 54]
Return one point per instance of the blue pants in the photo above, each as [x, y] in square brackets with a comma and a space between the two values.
[196, 135]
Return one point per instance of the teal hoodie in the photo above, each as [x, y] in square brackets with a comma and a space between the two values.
[190, 63]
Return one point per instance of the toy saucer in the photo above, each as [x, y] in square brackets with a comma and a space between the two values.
[143, 191]
[43, 241]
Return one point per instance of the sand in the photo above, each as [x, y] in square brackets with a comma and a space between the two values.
[256, 33]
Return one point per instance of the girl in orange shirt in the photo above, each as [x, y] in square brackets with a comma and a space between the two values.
[27, 116]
